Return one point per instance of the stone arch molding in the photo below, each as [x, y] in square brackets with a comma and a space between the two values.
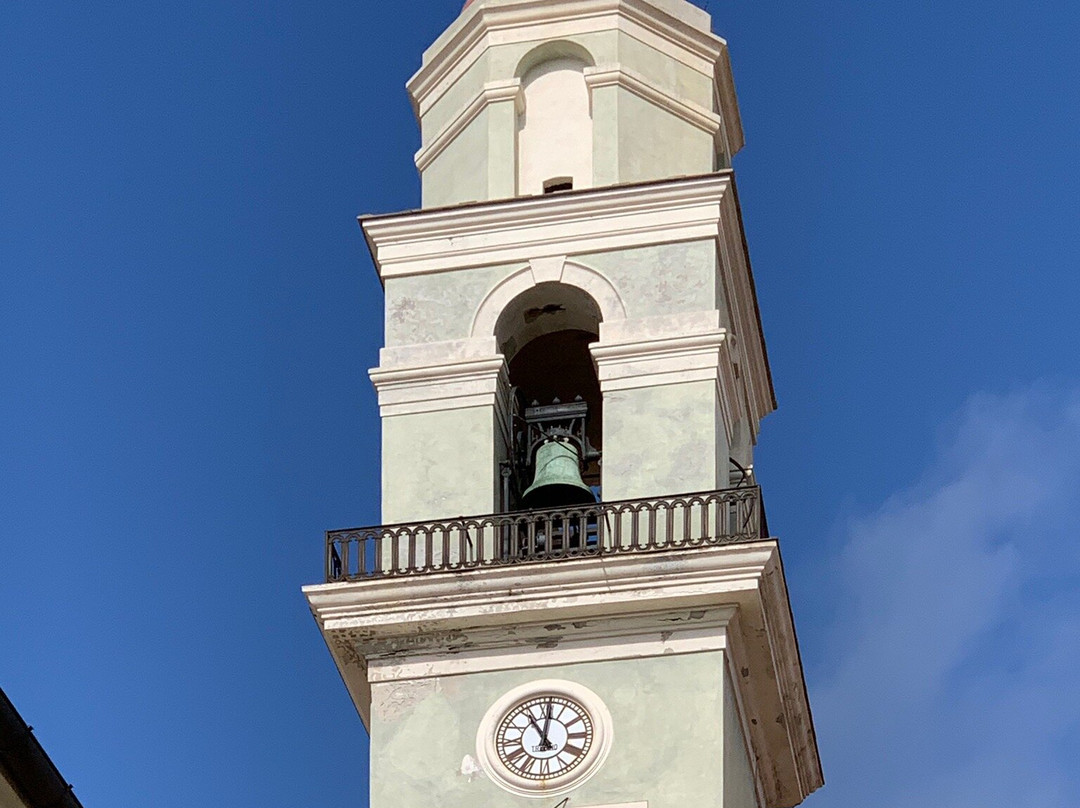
[549, 51]
[547, 270]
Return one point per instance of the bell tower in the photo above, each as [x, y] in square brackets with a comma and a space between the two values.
[573, 597]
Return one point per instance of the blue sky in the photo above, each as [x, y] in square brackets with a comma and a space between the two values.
[187, 312]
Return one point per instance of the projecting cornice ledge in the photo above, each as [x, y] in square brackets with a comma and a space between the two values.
[492, 93]
[573, 223]
[619, 76]
[680, 32]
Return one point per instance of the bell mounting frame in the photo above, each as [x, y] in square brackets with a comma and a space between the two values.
[536, 425]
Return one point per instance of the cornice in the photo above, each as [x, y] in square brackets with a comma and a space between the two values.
[728, 102]
[618, 76]
[492, 92]
[649, 363]
[577, 222]
[798, 719]
[489, 596]
[548, 642]
[468, 369]
[451, 386]
[671, 360]
[483, 25]
[689, 345]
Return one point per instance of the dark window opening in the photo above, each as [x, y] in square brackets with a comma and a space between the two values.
[557, 184]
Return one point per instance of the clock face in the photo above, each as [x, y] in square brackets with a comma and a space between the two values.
[544, 737]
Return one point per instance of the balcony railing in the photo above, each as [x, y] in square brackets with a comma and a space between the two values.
[521, 537]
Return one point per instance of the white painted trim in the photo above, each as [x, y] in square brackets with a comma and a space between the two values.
[619, 76]
[540, 646]
[726, 101]
[431, 354]
[496, 300]
[598, 287]
[660, 326]
[603, 735]
[672, 360]
[493, 92]
[518, 230]
[484, 26]
[547, 270]
[673, 349]
[569, 652]
[383, 378]
[593, 283]
[608, 585]
[411, 390]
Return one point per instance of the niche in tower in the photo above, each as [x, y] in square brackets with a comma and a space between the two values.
[555, 128]
[544, 334]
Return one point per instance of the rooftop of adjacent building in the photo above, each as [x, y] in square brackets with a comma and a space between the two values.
[28, 777]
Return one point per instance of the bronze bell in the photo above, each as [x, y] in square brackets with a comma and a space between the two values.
[557, 481]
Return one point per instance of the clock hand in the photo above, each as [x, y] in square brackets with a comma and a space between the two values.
[536, 726]
[547, 725]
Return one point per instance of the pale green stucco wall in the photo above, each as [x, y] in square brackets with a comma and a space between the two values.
[438, 307]
[664, 279]
[605, 107]
[666, 73]
[654, 144]
[652, 281]
[457, 96]
[460, 172]
[440, 464]
[668, 749]
[663, 441]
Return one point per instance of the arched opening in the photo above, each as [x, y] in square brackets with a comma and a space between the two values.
[545, 333]
[555, 132]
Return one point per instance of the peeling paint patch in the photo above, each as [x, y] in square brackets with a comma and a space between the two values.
[470, 769]
[396, 702]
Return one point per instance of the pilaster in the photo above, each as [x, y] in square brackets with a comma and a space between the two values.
[443, 436]
[665, 381]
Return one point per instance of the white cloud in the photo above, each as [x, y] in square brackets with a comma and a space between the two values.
[953, 672]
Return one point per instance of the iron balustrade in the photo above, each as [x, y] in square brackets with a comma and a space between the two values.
[604, 528]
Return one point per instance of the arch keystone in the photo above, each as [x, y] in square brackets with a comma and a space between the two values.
[548, 270]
